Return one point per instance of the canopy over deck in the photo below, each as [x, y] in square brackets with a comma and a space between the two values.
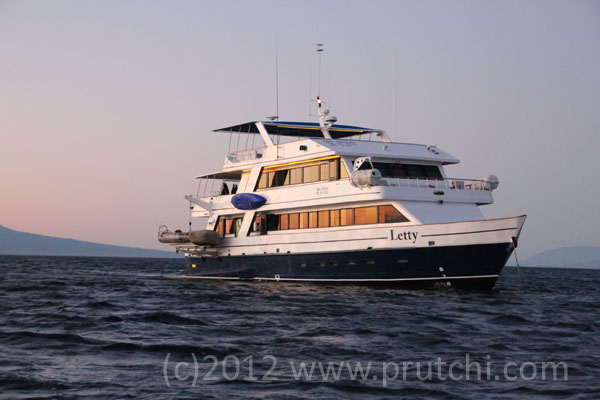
[224, 175]
[298, 129]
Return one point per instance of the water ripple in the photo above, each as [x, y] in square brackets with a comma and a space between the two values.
[103, 328]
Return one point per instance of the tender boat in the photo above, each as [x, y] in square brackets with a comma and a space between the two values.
[322, 202]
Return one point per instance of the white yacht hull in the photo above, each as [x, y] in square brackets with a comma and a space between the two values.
[464, 254]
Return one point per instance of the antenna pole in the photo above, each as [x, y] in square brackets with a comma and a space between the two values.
[396, 111]
[319, 51]
[276, 82]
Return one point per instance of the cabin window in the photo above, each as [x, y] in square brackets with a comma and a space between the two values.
[312, 219]
[303, 220]
[264, 223]
[347, 216]
[282, 178]
[262, 181]
[259, 224]
[389, 214]
[220, 227]
[360, 216]
[272, 222]
[333, 170]
[365, 215]
[334, 218]
[343, 171]
[324, 219]
[324, 171]
[313, 171]
[228, 225]
[311, 174]
[294, 221]
[284, 222]
[296, 176]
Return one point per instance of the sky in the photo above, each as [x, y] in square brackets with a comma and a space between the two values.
[107, 107]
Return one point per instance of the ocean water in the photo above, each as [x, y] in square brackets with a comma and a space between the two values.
[102, 328]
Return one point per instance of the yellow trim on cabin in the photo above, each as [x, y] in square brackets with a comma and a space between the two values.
[301, 162]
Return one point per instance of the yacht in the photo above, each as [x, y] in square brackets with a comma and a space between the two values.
[324, 202]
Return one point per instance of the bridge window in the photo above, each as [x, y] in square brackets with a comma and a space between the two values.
[393, 170]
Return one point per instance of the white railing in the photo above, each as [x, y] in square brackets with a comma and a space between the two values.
[244, 155]
[212, 187]
[439, 183]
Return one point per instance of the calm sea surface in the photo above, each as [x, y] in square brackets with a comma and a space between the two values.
[101, 328]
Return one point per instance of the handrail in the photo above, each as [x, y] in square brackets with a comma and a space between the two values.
[439, 183]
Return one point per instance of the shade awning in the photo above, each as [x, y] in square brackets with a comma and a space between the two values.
[299, 129]
[225, 175]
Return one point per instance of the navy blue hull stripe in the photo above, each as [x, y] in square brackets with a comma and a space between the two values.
[473, 265]
[468, 233]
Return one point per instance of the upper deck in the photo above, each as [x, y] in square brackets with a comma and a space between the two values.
[307, 140]
[314, 164]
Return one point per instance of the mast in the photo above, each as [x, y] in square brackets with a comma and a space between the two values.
[325, 120]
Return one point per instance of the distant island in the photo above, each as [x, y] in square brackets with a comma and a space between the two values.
[21, 243]
[566, 257]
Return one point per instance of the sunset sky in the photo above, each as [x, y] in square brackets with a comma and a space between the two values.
[106, 107]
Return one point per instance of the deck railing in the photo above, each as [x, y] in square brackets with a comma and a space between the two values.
[244, 155]
[438, 183]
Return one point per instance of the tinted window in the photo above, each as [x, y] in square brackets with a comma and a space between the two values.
[272, 222]
[284, 222]
[389, 214]
[296, 176]
[303, 220]
[311, 174]
[294, 221]
[312, 219]
[347, 216]
[323, 219]
[360, 216]
[324, 171]
[415, 171]
[371, 215]
[334, 166]
[432, 171]
[334, 218]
